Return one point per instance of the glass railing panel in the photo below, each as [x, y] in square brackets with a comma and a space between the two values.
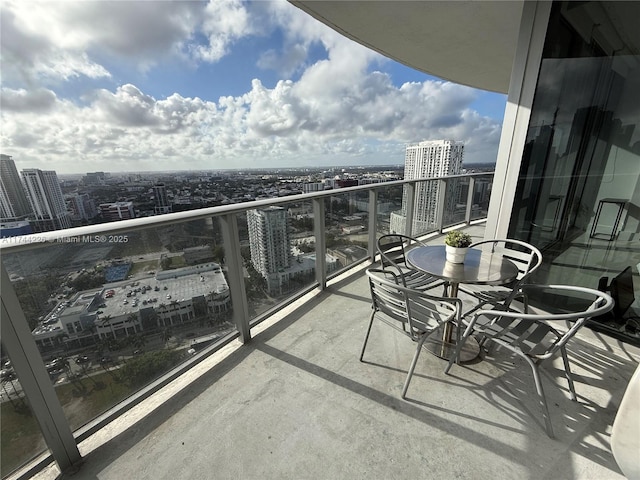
[481, 197]
[111, 313]
[20, 434]
[346, 229]
[425, 207]
[455, 206]
[278, 251]
[390, 213]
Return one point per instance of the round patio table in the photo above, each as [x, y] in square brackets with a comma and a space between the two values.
[479, 267]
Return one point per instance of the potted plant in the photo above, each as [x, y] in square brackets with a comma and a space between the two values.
[457, 243]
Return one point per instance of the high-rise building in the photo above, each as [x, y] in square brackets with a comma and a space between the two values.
[436, 158]
[47, 202]
[112, 212]
[269, 242]
[14, 205]
[162, 204]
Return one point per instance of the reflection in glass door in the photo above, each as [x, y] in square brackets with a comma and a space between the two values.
[578, 196]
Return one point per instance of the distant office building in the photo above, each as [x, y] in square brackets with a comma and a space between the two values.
[344, 183]
[437, 158]
[46, 200]
[312, 187]
[95, 178]
[161, 199]
[81, 207]
[14, 205]
[113, 212]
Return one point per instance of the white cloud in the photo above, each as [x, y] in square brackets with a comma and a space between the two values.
[224, 22]
[64, 39]
[37, 100]
[336, 110]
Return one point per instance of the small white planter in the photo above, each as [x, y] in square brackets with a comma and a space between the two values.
[456, 254]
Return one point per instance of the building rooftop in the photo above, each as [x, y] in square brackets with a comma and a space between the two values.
[167, 286]
[297, 403]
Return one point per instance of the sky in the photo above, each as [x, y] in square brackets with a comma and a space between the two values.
[140, 86]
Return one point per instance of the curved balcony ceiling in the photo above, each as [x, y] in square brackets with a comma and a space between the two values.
[467, 42]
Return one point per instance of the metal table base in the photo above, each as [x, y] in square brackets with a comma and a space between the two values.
[443, 349]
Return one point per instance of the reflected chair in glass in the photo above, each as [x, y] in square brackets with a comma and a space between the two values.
[392, 249]
[414, 313]
[531, 336]
[524, 255]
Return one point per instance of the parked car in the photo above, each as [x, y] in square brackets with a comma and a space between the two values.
[82, 359]
[7, 374]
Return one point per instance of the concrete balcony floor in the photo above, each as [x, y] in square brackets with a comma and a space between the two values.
[297, 403]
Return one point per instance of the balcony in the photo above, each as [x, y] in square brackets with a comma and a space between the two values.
[283, 395]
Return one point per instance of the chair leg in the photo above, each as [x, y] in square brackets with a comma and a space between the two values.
[366, 337]
[541, 396]
[413, 365]
[456, 354]
[567, 373]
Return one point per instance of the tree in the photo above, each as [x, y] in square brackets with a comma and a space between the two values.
[165, 263]
[132, 318]
[218, 254]
[166, 335]
[145, 368]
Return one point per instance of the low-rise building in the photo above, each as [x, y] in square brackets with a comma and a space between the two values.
[117, 310]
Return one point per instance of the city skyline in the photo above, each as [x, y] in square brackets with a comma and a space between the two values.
[215, 86]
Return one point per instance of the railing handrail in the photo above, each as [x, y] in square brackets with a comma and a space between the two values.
[36, 240]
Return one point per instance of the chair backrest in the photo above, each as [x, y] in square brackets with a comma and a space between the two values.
[530, 331]
[393, 247]
[524, 255]
[407, 307]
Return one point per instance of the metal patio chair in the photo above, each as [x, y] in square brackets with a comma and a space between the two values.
[414, 313]
[392, 249]
[524, 255]
[532, 337]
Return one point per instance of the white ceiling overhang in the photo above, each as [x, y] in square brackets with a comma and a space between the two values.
[467, 42]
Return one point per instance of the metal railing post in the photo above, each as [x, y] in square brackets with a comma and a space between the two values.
[410, 189]
[321, 243]
[235, 274]
[373, 223]
[440, 204]
[472, 187]
[34, 379]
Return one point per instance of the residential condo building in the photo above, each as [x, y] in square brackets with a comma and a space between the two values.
[47, 202]
[14, 205]
[435, 158]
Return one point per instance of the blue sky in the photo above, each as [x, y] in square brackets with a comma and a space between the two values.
[158, 85]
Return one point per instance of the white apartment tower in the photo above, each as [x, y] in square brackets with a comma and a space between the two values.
[269, 242]
[46, 200]
[435, 158]
[13, 201]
